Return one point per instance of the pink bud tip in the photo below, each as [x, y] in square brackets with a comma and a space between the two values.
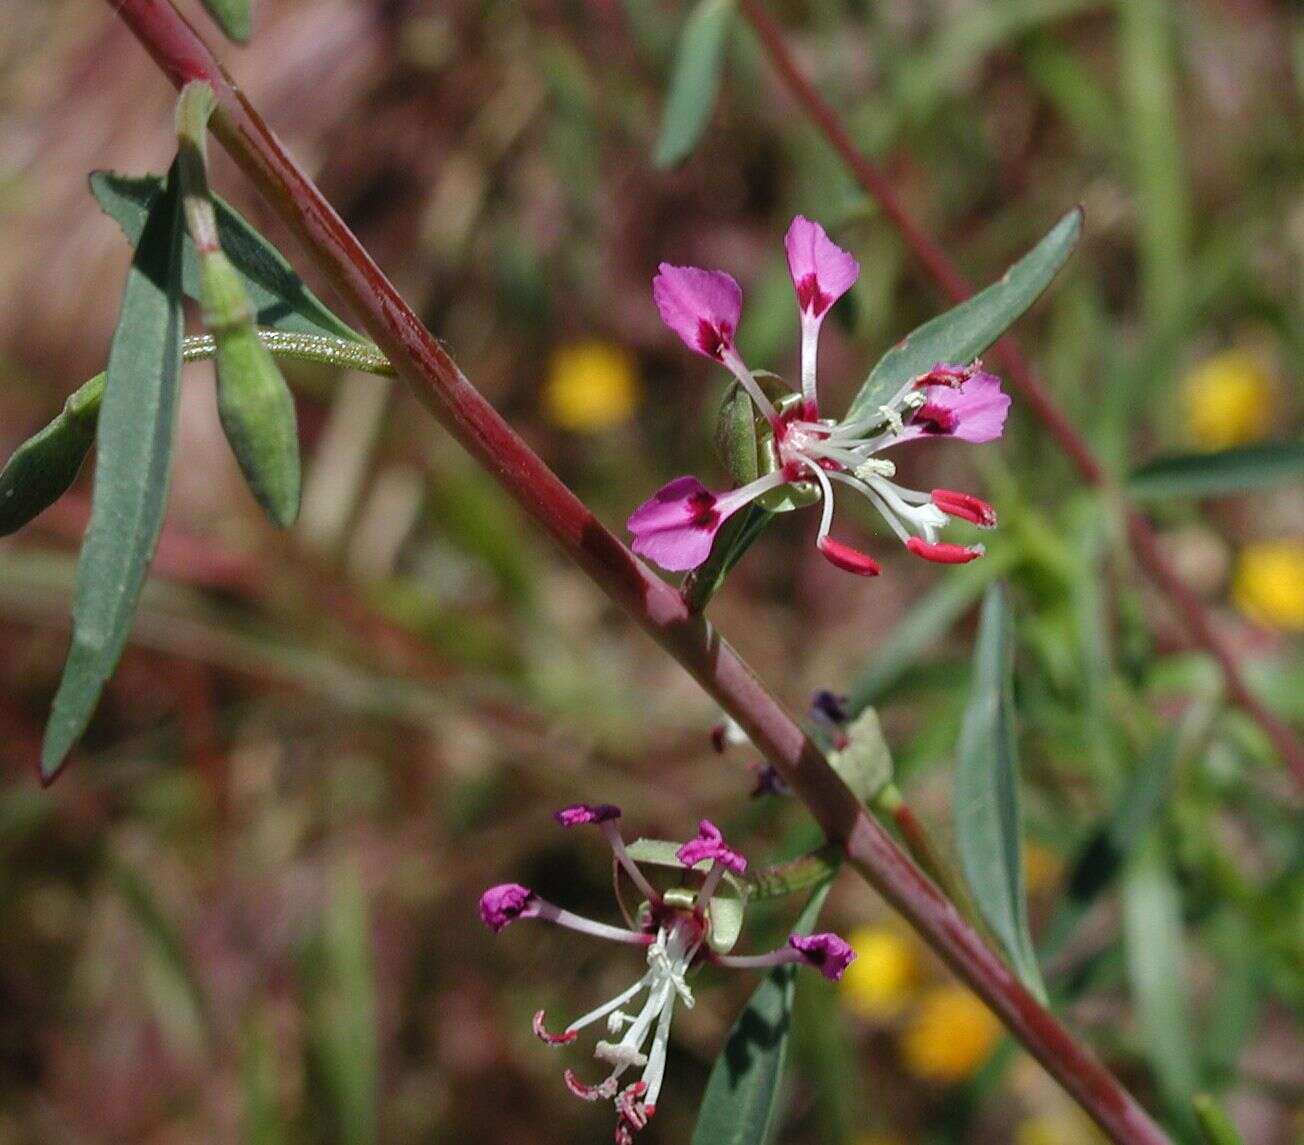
[965, 506]
[845, 557]
[828, 953]
[944, 553]
[710, 844]
[541, 1032]
[581, 813]
[502, 905]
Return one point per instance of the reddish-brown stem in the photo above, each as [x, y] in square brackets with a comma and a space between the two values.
[435, 378]
[944, 273]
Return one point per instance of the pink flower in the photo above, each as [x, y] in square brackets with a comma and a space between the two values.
[677, 526]
[828, 953]
[676, 934]
[973, 411]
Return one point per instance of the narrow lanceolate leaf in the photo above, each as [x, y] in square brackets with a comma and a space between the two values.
[987, 820]
[1152, 931]
[965, 331]
[137, 419]
[741, 1093]
[279, 295]
[1222, 474]
[695, 81]
[1216, 1128]
[234, 17]
[42, 469]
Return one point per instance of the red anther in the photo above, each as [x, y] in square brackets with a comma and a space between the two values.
[943, 552]
[965, 506]
[540, 1031]
[845, 557]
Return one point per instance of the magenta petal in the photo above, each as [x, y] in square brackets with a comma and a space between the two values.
[822, 272]
[710, 844]
[581, 813]
[676, 526]
[975, 411]
[502, 905]
[828, 953]
[701, 306]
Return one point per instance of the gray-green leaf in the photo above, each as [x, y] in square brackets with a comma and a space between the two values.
[987, 821]
[965, 331]
[1221, 474]
[739, 1104]
[279, 295]
[42, 469]
[136, 425]
[234, 17]
[695, 81]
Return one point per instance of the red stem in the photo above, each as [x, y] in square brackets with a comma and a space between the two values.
[433, 376]
[1145, 543]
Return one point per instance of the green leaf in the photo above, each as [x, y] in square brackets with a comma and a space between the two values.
[136, 425]
[695, 81]
[261, 1121]
[988, 825]
[342, 1014]
[43, 468]
[965, 331]
[1221, 474]
[1215, 1126]
[279, 295]
[1152, 931]
[234, 17]
[739, 1104]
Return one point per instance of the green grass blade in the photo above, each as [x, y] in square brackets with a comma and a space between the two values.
[279, 295]
[739, 1105]
[136, 426]
[1152, 930]
[1221, 474]
[989, 833]
[695, 80]
[965, 331]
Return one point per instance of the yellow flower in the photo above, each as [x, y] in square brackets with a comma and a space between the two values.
[1063, 1130]
[883, 976]
[591, 386]
[949, 1036]
[1268, 585]
[1228, 401]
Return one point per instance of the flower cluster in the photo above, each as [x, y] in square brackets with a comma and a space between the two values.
[675, 930]
[677, 526]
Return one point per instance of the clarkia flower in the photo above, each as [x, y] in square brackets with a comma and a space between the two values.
[677, 526]
[675, 928]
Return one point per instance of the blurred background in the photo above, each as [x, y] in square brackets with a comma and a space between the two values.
[247, 911]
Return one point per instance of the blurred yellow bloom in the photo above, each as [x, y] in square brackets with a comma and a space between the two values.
[591, 386]
[883, 976]
[949, 1036]
[1268, 585]
[1041, 867]
[1228, 401]
[1063, 1130]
